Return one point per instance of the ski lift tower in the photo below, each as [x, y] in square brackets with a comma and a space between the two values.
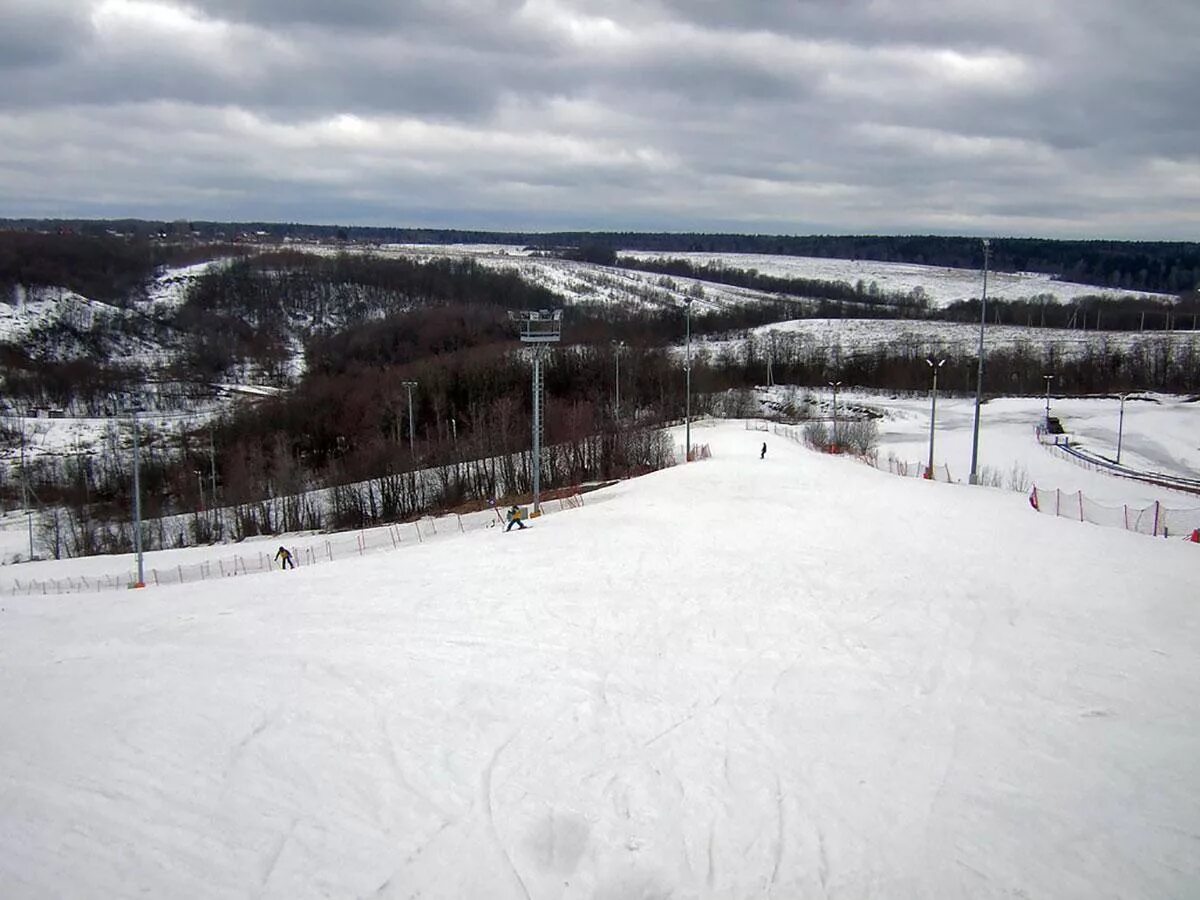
[539, 328]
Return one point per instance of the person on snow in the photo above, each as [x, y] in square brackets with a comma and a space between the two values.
[763, 455]
[284, 555]
[514, 518]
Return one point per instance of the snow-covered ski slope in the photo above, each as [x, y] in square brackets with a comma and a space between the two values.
[581, 282]
[796, 677]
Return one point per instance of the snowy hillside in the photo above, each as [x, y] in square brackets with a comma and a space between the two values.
[791, 677]
[55, 323]
[581, 281]
[941, 285]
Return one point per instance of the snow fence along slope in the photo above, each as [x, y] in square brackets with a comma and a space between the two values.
[795, 676]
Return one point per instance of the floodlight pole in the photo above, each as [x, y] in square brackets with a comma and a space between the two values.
[137, 504]
[25, 490]
[687, 410]
[1048, 378]
[1120, 428]
[771, 361]
[974, 479]
[538, 328]
[411, 443]
[617, 407]
[932, 412]
[835, 385]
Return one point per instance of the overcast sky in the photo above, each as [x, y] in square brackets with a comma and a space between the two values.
[1067, 118]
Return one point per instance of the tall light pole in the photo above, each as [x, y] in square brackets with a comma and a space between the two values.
[1121, 428]
[687, 413]
[411, 443]
[835, 385]
[539, 327]
[137, 503]
[617, 348]
[1049, 378]
[932, 411]
[987, 247]
[771, 360]
[25, 490]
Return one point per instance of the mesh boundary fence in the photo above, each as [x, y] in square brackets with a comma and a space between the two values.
[308, 551]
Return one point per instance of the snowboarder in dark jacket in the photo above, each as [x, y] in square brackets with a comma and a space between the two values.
[514, 518]
[763, 455]
[284, 555]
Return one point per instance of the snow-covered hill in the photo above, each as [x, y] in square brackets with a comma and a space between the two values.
[940, 285]
[794, 677]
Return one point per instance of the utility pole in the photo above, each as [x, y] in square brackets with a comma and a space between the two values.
[25, 490]
[137, 504]
[620, 345]
[1049, 378]
[1120, 428]
[987, 246]
[932, 411]
[771, 360]
[687, 410]
[411, 443]
[212, 466]
[835, 385]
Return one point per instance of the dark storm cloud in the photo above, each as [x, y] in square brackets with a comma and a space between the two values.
[1068, 116]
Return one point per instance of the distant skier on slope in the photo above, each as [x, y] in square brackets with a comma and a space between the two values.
[514, 518]
[284, 557]
[763, 455]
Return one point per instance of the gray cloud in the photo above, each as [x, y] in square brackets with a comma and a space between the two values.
[1072, 118]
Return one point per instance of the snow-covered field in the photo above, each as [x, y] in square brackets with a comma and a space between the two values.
[792, 677]
[578, 282]
[941, 285]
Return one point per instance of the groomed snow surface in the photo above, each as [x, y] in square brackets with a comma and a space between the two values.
[790, 677]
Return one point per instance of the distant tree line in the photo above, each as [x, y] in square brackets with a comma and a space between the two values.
[1171, 267]
[98, 266]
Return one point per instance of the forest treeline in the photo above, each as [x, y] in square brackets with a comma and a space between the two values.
[1171, 267]
[99, 266]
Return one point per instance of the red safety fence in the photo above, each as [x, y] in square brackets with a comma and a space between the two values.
[1156, 519]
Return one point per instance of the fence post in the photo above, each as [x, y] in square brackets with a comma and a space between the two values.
[1057, 500]
[460, 525]
[417, 525]
[1081, 506]
[1126, 507]
[154, 572]
[221, 566]
[329, 550]
[1156, 507]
